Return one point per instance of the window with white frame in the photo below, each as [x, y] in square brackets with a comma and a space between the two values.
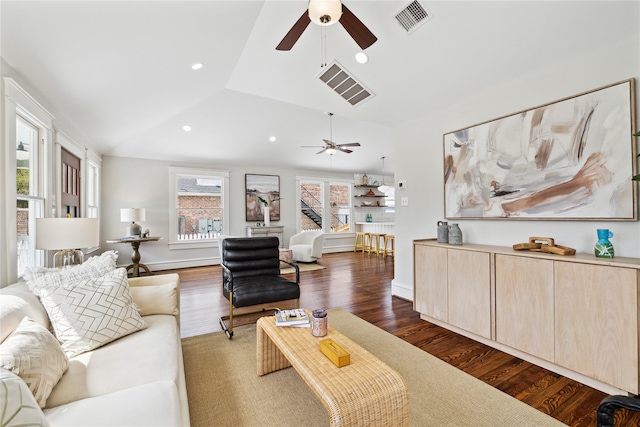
[93, 190]
[198, 216]
[28, 126]
[29, 193]
[325, 205]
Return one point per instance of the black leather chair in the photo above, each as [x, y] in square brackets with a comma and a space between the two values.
[610, 404]
[251, 276]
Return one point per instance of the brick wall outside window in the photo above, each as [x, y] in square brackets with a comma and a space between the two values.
[193, 208]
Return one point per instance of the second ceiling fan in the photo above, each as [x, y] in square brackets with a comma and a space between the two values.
[331, 147]
[324, 13]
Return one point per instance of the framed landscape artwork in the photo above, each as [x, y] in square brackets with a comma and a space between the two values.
[572, 159]
[267, 187]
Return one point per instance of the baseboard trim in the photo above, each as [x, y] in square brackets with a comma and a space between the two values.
[401, 290]
[185, 263]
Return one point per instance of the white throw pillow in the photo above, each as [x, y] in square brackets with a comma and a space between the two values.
[156, 299]
[32, 353]
[92, 312]
[96, 266]
[19, 407]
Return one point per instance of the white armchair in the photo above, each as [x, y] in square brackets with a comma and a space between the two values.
[307, 246]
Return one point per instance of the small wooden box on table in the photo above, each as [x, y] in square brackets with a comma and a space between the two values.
[364, 393]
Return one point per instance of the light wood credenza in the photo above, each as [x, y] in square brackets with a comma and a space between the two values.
[575, 315]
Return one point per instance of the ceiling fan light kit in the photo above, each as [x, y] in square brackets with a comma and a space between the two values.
[325, 12]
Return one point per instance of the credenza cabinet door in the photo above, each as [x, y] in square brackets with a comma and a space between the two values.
[469, 290]
[524, 305]
[430, 266]
[596, 315]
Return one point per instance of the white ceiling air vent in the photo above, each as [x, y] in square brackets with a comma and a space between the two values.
[340, 80]
[413, 16]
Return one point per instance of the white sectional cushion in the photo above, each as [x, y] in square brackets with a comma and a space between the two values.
[97, 266]
[150, 355]
[93, 312]
[19, 408]
[156, 299]
[150, 405]
[16, 303]
[32, 353]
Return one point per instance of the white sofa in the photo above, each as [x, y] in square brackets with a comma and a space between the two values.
[136, 380]
[307, 246]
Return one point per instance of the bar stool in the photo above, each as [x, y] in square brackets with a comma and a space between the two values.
[389, 238]
[376, 242]
[362, 241]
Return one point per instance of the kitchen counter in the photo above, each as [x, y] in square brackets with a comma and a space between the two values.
[376, 227]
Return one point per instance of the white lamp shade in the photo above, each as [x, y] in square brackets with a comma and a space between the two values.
[325, 12]
[132, 214]
[67, 233]
[330, 151]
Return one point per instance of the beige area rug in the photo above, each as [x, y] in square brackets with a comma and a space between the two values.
[303, 267]
[224, 389]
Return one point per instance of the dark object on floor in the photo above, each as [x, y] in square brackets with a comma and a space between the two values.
[610, 404]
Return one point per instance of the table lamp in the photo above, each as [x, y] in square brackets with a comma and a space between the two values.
[67, 235]
[133, 215]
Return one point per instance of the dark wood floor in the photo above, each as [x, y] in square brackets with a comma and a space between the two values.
[361, 284]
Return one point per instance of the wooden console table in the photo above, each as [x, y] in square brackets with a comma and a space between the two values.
[135, 257]
[366, 392]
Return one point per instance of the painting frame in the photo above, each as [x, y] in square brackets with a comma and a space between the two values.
[267, 187]
[570, 159]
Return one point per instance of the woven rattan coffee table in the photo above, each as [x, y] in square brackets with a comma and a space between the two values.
[364, 393]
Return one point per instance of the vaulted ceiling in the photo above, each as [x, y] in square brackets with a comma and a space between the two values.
[120, 71]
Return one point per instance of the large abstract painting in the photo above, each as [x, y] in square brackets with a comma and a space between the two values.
[570, 159]
[266, 187]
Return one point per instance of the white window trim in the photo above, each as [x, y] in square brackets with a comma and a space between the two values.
[174, 172]
[326, 183]
[18, 102]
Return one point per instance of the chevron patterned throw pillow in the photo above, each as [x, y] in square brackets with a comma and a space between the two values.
[93, 312]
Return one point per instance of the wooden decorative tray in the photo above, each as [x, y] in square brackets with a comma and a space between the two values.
[544, 244]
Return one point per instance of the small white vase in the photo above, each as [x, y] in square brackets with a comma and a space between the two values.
[266, 216]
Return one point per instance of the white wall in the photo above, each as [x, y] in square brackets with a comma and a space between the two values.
[131, 182]
[418, 159]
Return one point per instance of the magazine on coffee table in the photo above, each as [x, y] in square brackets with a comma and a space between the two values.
[298, 318]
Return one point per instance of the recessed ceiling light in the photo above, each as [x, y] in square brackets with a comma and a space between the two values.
[362, 57]
[272, 138]
[197, 66]
[186, 128]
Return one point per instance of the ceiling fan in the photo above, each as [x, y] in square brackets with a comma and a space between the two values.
[331, 147]
[325, 13]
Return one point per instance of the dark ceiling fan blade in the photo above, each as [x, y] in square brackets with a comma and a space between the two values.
[322, 151]
[295, 32]
[345, 150]
[351, 144]
[356, 29]
[312, 146]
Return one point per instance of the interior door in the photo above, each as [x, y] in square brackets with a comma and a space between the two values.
[70, 191]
